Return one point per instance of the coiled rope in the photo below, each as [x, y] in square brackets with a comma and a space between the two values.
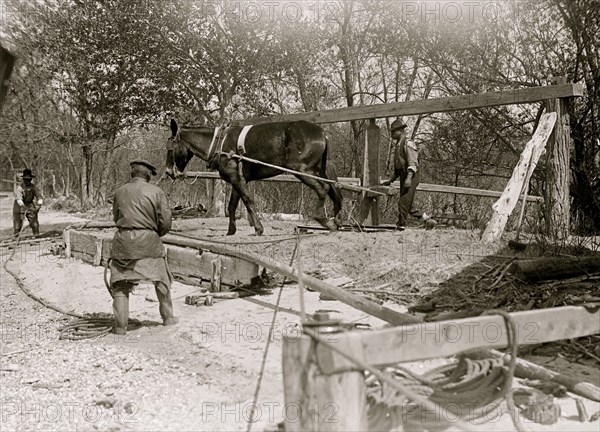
[470, 390]
[84, 327]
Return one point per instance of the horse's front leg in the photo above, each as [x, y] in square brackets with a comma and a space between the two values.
[234, 200]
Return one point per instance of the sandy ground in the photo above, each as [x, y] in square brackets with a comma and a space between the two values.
[202, 374]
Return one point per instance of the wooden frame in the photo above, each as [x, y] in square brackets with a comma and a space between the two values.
[426, 106]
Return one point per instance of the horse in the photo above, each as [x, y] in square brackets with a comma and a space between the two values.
[300, 146]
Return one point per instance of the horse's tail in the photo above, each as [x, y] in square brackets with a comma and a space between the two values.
[324, 158]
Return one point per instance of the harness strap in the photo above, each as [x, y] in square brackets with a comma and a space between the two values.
[241, 143]
[212, 143]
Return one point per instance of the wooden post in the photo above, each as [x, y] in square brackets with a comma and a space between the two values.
[215, 197]
[98, 252]
[556, 191]
[370, 204]
[67, 241]
[507, 202]
[215, 278]
[315, 401]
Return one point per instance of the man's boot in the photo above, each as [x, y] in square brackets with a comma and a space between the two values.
[429, 223]
[121, 312]
[165, 304]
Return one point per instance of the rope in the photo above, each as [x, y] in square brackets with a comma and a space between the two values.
[81, 328]
[194, 181]
[401, 387]
[264, 358]
[468, 389]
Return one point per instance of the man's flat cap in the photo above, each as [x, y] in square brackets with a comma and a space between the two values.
[145, 163]
[397, 124]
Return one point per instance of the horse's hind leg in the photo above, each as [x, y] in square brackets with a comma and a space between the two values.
[321, 191]
[336, 196]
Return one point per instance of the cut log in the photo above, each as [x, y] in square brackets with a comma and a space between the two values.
[529, 370]
[548, 268]
[502, 209]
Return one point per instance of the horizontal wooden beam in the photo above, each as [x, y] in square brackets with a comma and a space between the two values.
[427, 187]
[94, 247]
[423, 341]
[415, 107]
[353, 181]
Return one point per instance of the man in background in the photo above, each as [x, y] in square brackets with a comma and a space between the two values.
[28, 201]
[406, 167]
[142, 217]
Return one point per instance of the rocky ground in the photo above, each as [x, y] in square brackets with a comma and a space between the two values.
[202, 375]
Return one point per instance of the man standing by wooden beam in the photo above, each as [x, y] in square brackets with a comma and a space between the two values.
[406, 167]
[142, 216]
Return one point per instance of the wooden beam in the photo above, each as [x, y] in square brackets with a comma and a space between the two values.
[354, 181]
[427, 187]
[447, 338]
[95, 248]
[415, 107]
[558, 171]
[502, 209]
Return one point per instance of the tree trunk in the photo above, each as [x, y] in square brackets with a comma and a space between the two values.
[549, 268]
[106, 169]
[87, 186]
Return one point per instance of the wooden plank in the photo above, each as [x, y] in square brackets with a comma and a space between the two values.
[94, 248]
[416, 107]
[189, 262]
[427, 187]
[447, 338]
[502, 209]
[83, 243]
[353, 181]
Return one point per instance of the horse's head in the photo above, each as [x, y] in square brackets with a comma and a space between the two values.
[178, 155]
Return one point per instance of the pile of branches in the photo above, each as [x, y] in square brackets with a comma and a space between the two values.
[520, 285]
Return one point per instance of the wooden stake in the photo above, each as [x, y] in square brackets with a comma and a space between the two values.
[67, 240]
[317, 402]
